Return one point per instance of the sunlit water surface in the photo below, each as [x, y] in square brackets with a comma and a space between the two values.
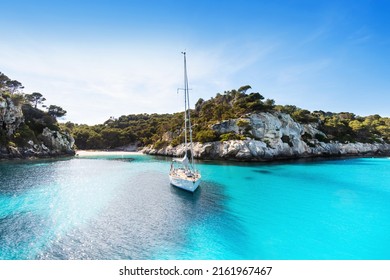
[125, 208]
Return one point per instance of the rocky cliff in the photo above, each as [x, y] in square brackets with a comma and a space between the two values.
[272, 136]
[11, 116]
[18, 140]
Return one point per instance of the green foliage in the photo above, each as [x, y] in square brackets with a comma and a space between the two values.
[143, 128]
[56, 111]
[337, 129]
[286, 139]
[207, 135]
[298, 114]
[303, 116]
[321, 138]
[243, 123]
[17, 99]
[244, 89]
[11, 144]
[95, 141]
[307, 138]
[9, 86]
[176, 141]
[231, 136]
[231, 104]
[384, 130]
[34, 119]
[160, 144]
[37, 119]
[347, 127]
[147, 129]
[244, 127]
[81, 135]
[23, 135]
[35, 98]
[3, 138]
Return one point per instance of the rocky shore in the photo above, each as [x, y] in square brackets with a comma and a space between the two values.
[51, 144]
[19, 141]
[254, 150]
[275, 136]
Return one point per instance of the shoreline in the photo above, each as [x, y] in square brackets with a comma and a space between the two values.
[104, 153]
[96, 153]
[295, 158]
[257, 151]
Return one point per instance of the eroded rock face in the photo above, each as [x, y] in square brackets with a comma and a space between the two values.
[48, 143]
[11, 116]
[275, 136]
[254, 150]
[57, 142]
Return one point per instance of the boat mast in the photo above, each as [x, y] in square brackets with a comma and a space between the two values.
[187, 111]
[185, 103]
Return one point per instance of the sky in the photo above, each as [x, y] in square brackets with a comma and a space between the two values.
[100, 59]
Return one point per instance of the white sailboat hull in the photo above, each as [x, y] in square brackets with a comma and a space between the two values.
[188, 184]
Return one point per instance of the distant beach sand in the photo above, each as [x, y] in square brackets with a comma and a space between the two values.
[104, 153]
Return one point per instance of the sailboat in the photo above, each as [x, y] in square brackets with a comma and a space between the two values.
[183, 173]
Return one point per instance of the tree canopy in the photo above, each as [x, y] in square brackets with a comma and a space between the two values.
[55, 111]
[35, 119]
[167, 129]
[164, 129]
[35, 98]
[8, 85]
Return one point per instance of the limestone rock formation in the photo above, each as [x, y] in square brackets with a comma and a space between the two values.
[273, 136]
[48, 143]
[11, 116]
[57, 142]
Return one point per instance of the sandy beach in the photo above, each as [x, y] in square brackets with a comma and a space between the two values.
[104, 153]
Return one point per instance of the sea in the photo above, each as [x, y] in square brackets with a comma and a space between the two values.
[123, 207]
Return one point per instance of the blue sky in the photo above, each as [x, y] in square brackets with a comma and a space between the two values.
[101, 58]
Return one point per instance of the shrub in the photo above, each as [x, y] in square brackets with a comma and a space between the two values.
[160, 144]
[306, 137]
[303, 116]
[176, 141]
[12, 144]
[23, 135]
[321, 138]
[244, 126]
[17, 99]
[242, 123]
[231, 136]
[205, 136]
[286, 139]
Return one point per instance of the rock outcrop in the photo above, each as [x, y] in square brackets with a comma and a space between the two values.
[272, 136]
[48, 143]
[11, 116]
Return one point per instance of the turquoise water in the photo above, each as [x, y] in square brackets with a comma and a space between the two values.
[125, 208]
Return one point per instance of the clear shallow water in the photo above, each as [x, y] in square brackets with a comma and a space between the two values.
[124, 208]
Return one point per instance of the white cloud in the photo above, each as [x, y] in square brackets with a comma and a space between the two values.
[94, 82]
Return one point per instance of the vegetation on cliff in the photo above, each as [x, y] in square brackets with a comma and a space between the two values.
[22, 123]
[162, 130]
[166, 129]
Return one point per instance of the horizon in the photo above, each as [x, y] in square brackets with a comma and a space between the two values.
[102, 59]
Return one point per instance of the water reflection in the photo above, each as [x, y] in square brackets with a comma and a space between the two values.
[95, 213]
